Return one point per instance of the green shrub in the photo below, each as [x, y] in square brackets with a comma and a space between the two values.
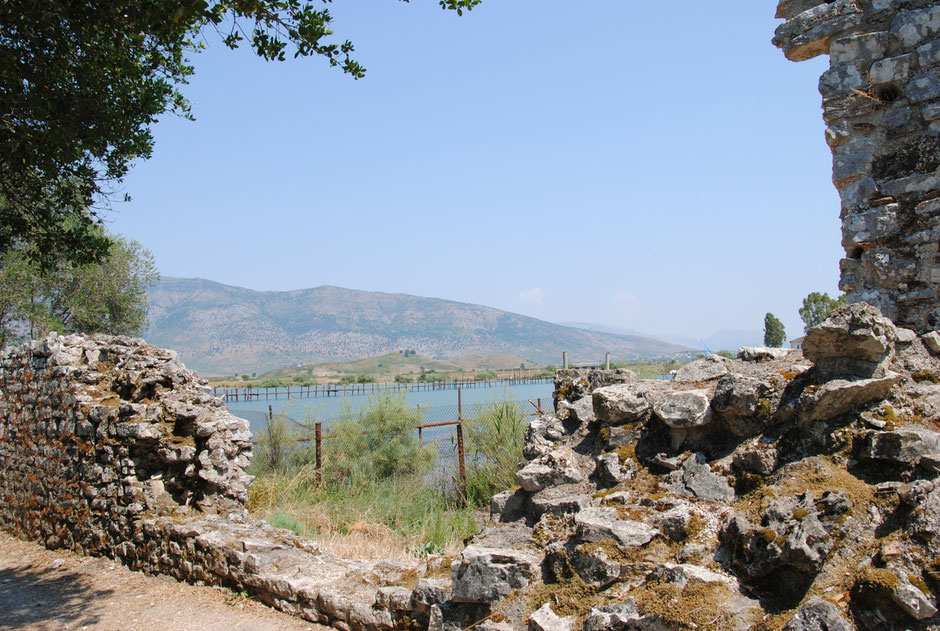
[379, 441]
[403, 379]
[486, 375]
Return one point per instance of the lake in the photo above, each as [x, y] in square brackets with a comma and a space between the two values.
[435, 405]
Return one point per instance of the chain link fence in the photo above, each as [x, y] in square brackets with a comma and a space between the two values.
[468, 451]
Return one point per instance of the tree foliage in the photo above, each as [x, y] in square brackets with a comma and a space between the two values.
[774, 333]
[82, 81]
[817, 307]
[109, 296]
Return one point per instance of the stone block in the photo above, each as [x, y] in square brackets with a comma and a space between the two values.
[891, 69]
[485, 575]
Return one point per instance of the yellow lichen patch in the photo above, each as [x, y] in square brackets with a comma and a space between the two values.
[695, 526]
[789, 375]
[697, 605]
[636, 562]
[604, 434]
[626, 452]
[877, 579]
[925, 375]
[773, 622]
[818, 474]
[800, 513]
[920, 584]
[764, 408]
[769, 535]
[570, 596]
[756, 502]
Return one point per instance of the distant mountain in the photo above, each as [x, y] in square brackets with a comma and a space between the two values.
[726, 339]
[733, 339]
[220, 329]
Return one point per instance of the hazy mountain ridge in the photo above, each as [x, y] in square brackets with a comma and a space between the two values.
[726, 339]
[221, 329]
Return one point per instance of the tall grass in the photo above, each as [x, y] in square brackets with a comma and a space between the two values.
[377, 497]
[494, 449]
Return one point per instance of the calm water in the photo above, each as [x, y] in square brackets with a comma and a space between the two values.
[440, 405]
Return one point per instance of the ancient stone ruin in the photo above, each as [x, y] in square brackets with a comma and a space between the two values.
[795, 490]
[773, 491]
[881, 102]
[110, 446]
[783, 489]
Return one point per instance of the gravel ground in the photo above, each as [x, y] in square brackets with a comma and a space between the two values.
[43, 590]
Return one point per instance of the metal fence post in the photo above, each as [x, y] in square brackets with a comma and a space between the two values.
[463, 470]
[319, 449]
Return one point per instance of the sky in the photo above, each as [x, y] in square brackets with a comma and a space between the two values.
[659, 167]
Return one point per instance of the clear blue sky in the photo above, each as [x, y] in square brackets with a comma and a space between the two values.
[659, 167]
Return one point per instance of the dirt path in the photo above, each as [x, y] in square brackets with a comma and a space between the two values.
[42, 590]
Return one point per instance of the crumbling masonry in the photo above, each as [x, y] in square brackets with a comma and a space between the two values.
[881, 102]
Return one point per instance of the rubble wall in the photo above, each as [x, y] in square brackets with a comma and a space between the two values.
[110, 446]
[881, 105]
[784, 490]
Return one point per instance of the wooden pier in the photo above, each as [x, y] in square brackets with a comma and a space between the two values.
[334, 390]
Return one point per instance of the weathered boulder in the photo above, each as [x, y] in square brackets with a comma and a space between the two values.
[607, 469]
[912, 599]
[818, 614]
[932, 341]
[905, 447]
[757, 461]
[683, 409]
[621, 616]
[674, 523]
[795, 532]
[622, 403]
[544, 619]
[853, 341]
[541, 436]
[575, 383]
[680, 574]
[762, 353]
[484, 575]
[580, 410]
[598, 524]
[551, 469]
[840, 396]
[743, 402]
[696, 479]
[508, 505]
[593, 563]
[558, 500]
[705, 369]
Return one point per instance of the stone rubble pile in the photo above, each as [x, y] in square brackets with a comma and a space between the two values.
[881, 105]
[779, 490]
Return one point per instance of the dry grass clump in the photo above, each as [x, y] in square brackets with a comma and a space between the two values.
[696, 605]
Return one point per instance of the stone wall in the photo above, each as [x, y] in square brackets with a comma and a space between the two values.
[881, 102]
[110, 446]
